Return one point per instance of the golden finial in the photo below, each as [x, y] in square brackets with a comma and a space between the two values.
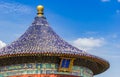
[40, 9]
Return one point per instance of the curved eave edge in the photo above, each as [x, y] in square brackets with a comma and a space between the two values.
[105, 64]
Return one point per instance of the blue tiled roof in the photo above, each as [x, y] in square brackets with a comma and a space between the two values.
[40, 38]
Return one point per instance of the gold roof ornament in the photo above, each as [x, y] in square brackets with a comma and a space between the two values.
[41, 44]
[40, 9]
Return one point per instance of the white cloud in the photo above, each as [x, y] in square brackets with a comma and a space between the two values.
[105, 0]
[2, 44]
[88, 43]
[117, 45]
[118, 11]
[114, 36]
[118, 0]
[13, 7]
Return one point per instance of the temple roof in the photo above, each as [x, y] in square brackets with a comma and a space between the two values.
[40, 38]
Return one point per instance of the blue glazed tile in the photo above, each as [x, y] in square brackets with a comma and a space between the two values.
[40, 37]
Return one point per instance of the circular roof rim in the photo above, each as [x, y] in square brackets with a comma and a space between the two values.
[78, 56]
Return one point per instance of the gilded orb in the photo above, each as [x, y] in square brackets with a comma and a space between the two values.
[40, 8]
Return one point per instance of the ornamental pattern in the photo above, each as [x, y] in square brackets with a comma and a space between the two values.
[40, 38]
[42, 68]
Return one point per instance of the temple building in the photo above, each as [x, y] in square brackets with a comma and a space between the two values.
[40, 52]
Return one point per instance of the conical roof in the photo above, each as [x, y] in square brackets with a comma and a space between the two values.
[40, 39]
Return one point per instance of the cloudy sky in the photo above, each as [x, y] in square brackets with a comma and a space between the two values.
[91, 25]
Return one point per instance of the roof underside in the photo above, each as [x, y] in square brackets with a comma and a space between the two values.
[41, 39]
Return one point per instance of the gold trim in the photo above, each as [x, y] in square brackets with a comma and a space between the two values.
[69, 69]
[40, 9]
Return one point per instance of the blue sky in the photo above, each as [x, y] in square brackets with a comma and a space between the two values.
[91, 25]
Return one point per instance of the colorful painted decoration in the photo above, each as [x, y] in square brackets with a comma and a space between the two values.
[65, 63]
[42, 68]
[40, 40]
